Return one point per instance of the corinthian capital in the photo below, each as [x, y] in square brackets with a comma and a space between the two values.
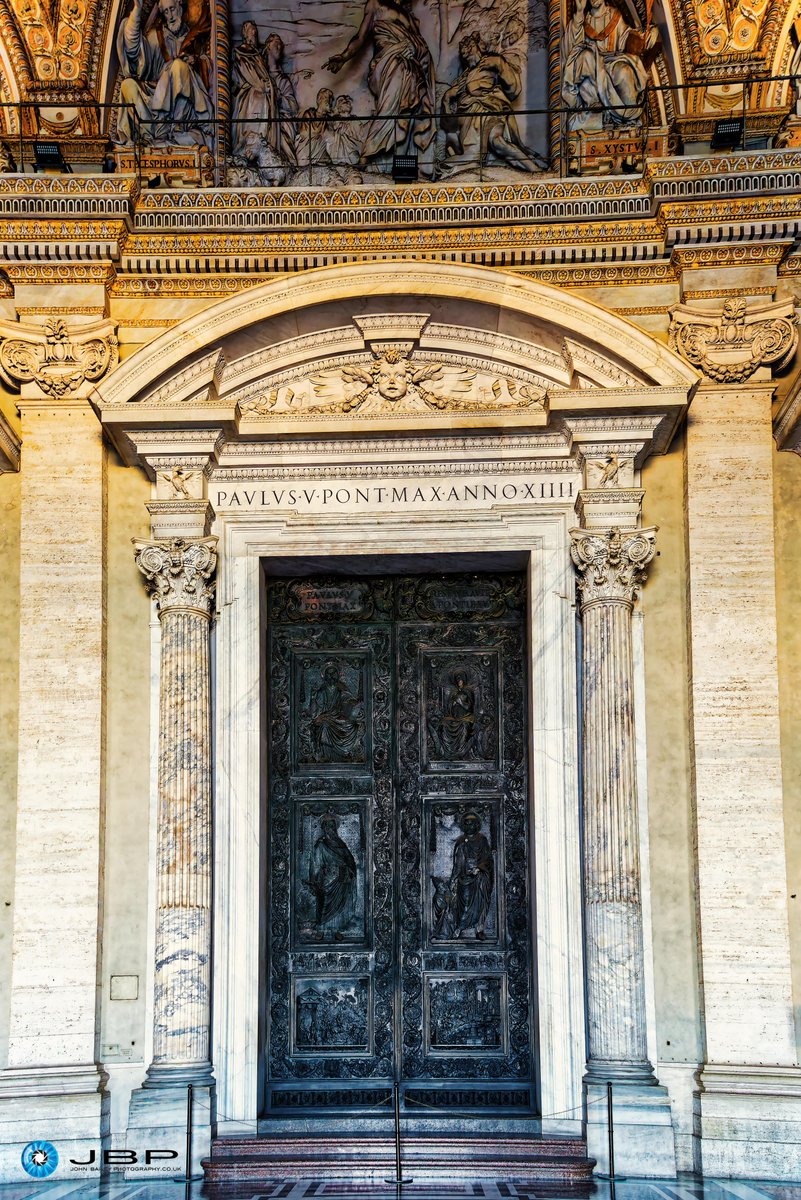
[179, 571]
[611, 565]
[62, 363]
[730, 345]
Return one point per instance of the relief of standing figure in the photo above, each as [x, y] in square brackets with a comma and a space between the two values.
[472, 880]
[332, 879]
[400, 77]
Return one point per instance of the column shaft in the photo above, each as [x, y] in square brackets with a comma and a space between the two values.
[178, 572]
[613, 910]
[611, 568]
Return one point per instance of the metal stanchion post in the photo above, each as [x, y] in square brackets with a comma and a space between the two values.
[610, 1130]
[399, 1181]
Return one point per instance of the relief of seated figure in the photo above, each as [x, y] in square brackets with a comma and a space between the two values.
[603, 72]
[164, 95]
[485, 125]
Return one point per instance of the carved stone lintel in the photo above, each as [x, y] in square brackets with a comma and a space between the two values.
[611, 566]
[62, 363]
[178, 572]
[730, 345]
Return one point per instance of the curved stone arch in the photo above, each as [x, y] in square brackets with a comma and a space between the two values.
[207, 331]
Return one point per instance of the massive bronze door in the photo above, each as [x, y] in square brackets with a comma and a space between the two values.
[399, 922]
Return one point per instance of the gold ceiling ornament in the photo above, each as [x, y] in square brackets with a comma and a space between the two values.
[731, 344]
[62, 363]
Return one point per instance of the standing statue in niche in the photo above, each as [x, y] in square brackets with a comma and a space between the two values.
[400, 77]
[603, 67]
[472, 879]
[482, 95]
[165, 76]
[332, 880]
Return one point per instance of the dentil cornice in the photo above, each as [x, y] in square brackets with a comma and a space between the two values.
[179, 572]
[611, 564]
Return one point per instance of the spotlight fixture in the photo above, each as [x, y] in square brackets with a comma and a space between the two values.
[404, 168]
[728, 133]
[48, 157]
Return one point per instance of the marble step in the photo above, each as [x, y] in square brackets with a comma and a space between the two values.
[448, 1157]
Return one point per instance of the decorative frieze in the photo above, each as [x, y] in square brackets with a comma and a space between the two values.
[731, 344]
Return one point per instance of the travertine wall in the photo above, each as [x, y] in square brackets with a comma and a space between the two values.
[787, 494]
[125, 926]
[673, 916]
[9, 692]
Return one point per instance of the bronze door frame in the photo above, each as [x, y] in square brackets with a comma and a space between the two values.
[444, 1061]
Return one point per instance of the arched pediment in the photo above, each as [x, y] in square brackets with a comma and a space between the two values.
[402, 348]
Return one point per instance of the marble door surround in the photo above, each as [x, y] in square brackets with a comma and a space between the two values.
[517, 412]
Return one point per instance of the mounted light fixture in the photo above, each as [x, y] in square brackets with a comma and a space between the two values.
[404, 168]
[728, 133]
[48, 157]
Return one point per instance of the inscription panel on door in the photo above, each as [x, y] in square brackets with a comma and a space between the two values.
[399, 944]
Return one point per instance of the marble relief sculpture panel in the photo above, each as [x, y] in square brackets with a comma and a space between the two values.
[166, 65]
[333, 98]
[604, 60]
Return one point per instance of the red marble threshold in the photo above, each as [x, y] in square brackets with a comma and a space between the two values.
[426, 1158]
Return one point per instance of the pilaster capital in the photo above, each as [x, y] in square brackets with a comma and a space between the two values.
[179, 572]
[730, 344]
[54, 360]
[611, 565]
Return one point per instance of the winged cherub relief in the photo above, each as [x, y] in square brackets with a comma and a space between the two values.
[394, 380]
[391, 380]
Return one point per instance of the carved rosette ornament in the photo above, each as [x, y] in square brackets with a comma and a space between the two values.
[179, 575]
[59, 361]
[611, 567]
[729, 346]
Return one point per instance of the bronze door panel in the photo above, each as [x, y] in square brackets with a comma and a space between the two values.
[399, 931]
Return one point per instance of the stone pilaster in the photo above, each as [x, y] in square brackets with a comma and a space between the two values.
[179, 574]
[611, 565]
[52, 1087]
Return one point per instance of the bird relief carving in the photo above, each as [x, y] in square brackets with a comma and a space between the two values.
[393, 380]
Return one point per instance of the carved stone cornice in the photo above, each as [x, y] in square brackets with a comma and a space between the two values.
[179, 572]
[611, 566]
[731, 344]
[61, 362]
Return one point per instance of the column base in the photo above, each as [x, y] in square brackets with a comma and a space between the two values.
[614, 1071]
[65, 1106]
[157, 1119]
[176, 1075]
[642, 1121]
[751, 1121]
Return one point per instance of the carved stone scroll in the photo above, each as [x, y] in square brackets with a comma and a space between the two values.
[729, 346]
[61, 362]
[611, 568]
[179, 574]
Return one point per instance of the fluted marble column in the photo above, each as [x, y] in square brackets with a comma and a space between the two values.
[611, 567]
[179, 574]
